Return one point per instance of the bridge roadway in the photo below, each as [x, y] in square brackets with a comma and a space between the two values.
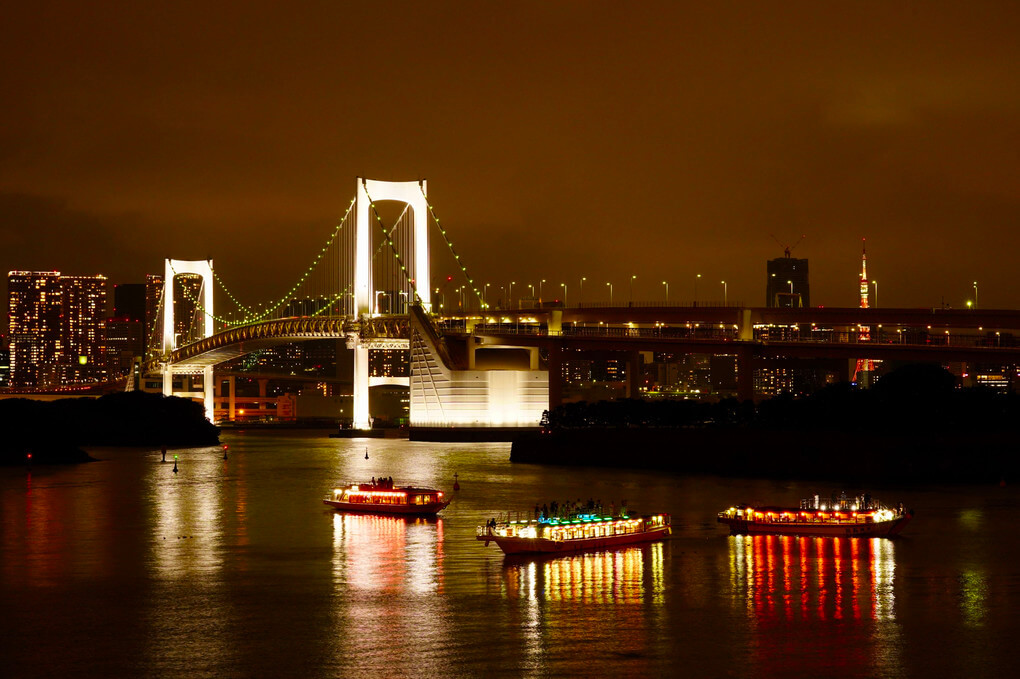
[595, 327]
[651, 313]
[234, 342]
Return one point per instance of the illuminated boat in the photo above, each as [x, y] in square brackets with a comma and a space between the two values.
[582, 533]
[856, 517]
[383, 498]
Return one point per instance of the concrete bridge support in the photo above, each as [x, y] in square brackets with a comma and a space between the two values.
[745, 373]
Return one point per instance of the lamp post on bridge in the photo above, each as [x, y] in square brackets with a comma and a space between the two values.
[510, 300]
[580, 290]
[975, 295]
[610, 293]
[724, 293]
[485, 295]
[696, 277]
[377, 293]
[540, 289]
[666, 283]
[875, 283]
[564, 286]
[632, 289]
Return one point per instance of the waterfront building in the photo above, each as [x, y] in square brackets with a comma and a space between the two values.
[129, 301]
[33, 307]
[188, 317]
[82, 324]
[388, 363]
[786, 283]
[125, 340]
[153, 317]
[5, 364]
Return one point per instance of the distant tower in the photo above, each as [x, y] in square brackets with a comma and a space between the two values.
[864, 365]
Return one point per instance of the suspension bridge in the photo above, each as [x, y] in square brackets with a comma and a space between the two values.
[371, 284]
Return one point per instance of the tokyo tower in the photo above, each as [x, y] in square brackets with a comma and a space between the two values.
[864, 365]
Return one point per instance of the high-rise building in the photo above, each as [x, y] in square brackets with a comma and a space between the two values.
[388, 363]
[188, 317]
[786, 283]
[5, 363]
[129, 301]
[33, 306]
[82, 324]
[153, 313]
[125, 339]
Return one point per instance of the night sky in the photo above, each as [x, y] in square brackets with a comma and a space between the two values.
[560, 139]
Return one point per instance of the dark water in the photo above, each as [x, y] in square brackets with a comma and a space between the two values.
[235, 569]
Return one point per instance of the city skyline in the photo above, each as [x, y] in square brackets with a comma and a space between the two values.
[581, 140]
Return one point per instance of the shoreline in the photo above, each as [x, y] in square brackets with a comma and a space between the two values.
[783, 453]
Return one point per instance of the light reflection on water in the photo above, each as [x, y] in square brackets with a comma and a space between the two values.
[838, 593]
[235, 568]
[609, 577]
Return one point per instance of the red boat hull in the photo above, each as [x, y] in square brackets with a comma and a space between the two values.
[883, 529]
[403, 510]
[515, 545]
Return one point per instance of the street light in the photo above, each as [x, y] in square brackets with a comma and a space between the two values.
[610, 293]
[377, 293]
[485, 295]
[564, 286]
[696, 288]
[667, 291]
[510, 301]
[540, 289]
[975, 294]
[632, 289]
[875, 283]
[580, 290]
[725, 292]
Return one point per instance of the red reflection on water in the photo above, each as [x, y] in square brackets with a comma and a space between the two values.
[801, 591]
[385, 553]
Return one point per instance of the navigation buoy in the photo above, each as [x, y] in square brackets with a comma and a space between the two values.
[456, 484]
[225, 451]
[366, 453]
[175, 464]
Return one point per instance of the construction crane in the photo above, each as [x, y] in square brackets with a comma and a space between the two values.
[787, 249]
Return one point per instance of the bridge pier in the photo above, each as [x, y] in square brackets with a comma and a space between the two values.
[633, 376]
[209, 393]
[745, 373]
[555, 374]
[360, 413]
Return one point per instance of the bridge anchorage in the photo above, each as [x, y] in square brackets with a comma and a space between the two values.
[370, 285]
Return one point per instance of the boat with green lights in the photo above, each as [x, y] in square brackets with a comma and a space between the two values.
[584, 532]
